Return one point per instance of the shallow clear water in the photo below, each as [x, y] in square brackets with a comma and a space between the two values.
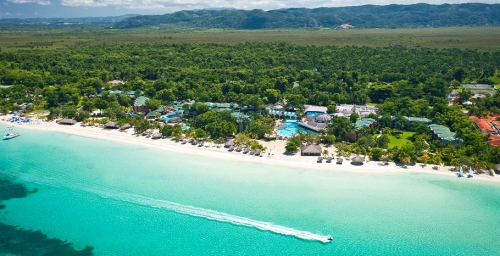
[87, 189]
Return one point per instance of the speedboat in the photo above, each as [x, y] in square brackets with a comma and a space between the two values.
[329, 238]
[10, 135]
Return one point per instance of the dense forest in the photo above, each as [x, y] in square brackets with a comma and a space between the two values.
[367, 16]
[400, 81]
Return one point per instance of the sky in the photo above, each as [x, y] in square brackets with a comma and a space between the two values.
[96, 8]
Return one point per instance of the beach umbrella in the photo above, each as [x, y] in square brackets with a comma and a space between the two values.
[156, 135]
[358, 160]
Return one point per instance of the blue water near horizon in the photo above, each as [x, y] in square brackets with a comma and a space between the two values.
[87, 190]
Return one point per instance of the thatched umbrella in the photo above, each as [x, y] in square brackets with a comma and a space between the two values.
[329, 159]
[358, 160]
[111, 125]
[229, 143]
[257, 152]
[231, 148]
[126, 126]
[340, 160]
[156, 136]
[320, 159]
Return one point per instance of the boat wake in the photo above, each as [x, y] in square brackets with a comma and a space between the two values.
[200, 212]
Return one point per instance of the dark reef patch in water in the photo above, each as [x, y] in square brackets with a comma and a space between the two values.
[16, 241]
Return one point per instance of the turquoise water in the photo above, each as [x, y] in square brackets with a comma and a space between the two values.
[88, 194]
[291, 129]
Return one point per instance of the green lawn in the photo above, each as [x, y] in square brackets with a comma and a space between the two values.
[403, 139]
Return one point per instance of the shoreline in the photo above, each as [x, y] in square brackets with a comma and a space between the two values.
[276, 148]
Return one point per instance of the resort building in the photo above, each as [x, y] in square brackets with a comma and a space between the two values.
[316, 123]
[443, 134]
[488, 127]
[130, 94]
[66, 121]
[140, 105]
[479, 89]
[424, 120]
[361, 110]
[311, 150]
[365, 122]
[310, 110]
[242, 120]
[223, 106]
[282, 114]
[484, 126]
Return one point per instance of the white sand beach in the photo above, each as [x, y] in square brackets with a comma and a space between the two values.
[273, 156]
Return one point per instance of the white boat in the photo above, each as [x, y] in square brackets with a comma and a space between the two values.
[10, 135]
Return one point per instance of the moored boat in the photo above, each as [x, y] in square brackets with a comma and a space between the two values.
[10, 135]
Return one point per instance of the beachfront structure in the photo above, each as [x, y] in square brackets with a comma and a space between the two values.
[311, 110]
[358, 160]
[311, 150]
[361, 110]
[111, 125]
[67, 121]
[443, 134]
[140, 105]
[316, 123]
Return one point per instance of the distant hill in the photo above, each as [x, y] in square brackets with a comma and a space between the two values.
[367, 16]
[63, 22]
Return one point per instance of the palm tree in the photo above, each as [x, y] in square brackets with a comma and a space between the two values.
[325, 153]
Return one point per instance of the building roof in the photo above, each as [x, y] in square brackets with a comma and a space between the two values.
[140, 101]
[312, 125]
[358, 159]
[443, 132]
[418, 119]
[323, 118]
[311, 149]
[111, 124]
[483, 124]
[310, 108]
[365, 122]
[67, 121]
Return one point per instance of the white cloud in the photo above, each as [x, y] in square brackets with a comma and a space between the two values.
[40, 2]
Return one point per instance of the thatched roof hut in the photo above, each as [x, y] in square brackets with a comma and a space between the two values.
[358, 160]
[229, 143]
[156, 136]
[111, 125]
[311, 150]
[67, 121]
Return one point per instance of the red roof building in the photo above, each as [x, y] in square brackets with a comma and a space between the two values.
[483, 125]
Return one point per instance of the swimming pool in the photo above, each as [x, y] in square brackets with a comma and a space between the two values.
[289, 128]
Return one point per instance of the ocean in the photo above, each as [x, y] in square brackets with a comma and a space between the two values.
[124, 199]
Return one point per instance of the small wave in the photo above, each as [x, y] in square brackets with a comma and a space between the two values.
[194, 211]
